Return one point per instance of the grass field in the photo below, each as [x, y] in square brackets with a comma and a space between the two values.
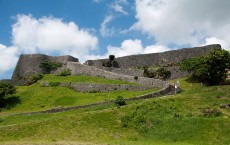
[192, 117]
[36, 98]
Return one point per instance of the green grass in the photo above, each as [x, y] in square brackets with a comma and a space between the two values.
[35, 98]
[172, 120]
[83, 79]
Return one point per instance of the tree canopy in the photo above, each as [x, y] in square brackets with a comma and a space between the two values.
[210, 69]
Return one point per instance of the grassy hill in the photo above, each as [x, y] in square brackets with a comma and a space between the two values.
[196, 116]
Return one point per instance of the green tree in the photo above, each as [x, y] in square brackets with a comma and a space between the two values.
[210, 69]
[5, 89]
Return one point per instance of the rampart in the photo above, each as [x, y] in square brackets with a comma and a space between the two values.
[30, 64]
[156, 59]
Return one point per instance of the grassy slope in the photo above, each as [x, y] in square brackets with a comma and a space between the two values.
[171, 120]
[36, 98]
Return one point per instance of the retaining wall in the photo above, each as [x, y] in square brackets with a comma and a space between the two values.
[85, 87]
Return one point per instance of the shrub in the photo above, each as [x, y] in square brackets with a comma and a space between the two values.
[93, 91]
[148, 73]
[31, 79]
[65, 72]
[50, 65]
[120, 101]
[5, 89]
[111, 62]
[54, 84]
[136, 77]
[111, 57]
[162, 73]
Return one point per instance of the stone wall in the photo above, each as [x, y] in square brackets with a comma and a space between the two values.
[124, 71]
[29, 64]
[86, 87]
[80, 69]
[156, 59]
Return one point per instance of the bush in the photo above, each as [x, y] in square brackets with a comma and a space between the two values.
[136, 77]
[160, 73]
[93, 91]
[50, 65]
[65, 72]
[210, 69]
[31, 79]
[120, 101]
[54, 84]
[148, 73]
[111, 57]
[5, 89]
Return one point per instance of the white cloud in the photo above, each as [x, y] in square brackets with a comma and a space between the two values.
[130, 47]
[48, 35]
[104, 30]
[118, 8]
[155, 48]
[214, 40]
[8, 57]
[183, 22]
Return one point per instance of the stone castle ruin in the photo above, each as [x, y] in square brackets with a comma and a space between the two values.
[121, 68]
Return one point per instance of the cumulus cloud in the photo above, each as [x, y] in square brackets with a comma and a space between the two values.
[48, 35]
[183, 22]
[8, 57]
[104, 30]
[130, 47]
[45, 35]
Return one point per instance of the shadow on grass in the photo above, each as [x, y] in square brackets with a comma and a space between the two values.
[9, 102]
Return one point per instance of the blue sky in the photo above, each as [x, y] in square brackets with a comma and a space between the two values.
[92, 29]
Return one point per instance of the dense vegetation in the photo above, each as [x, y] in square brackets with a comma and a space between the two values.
[210, 69]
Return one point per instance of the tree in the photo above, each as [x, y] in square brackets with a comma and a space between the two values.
[5, 89]
[210, 69]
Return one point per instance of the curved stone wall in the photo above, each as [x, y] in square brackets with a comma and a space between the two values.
[156, 59]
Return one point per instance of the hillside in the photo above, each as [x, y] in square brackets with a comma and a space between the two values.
[196, 116]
